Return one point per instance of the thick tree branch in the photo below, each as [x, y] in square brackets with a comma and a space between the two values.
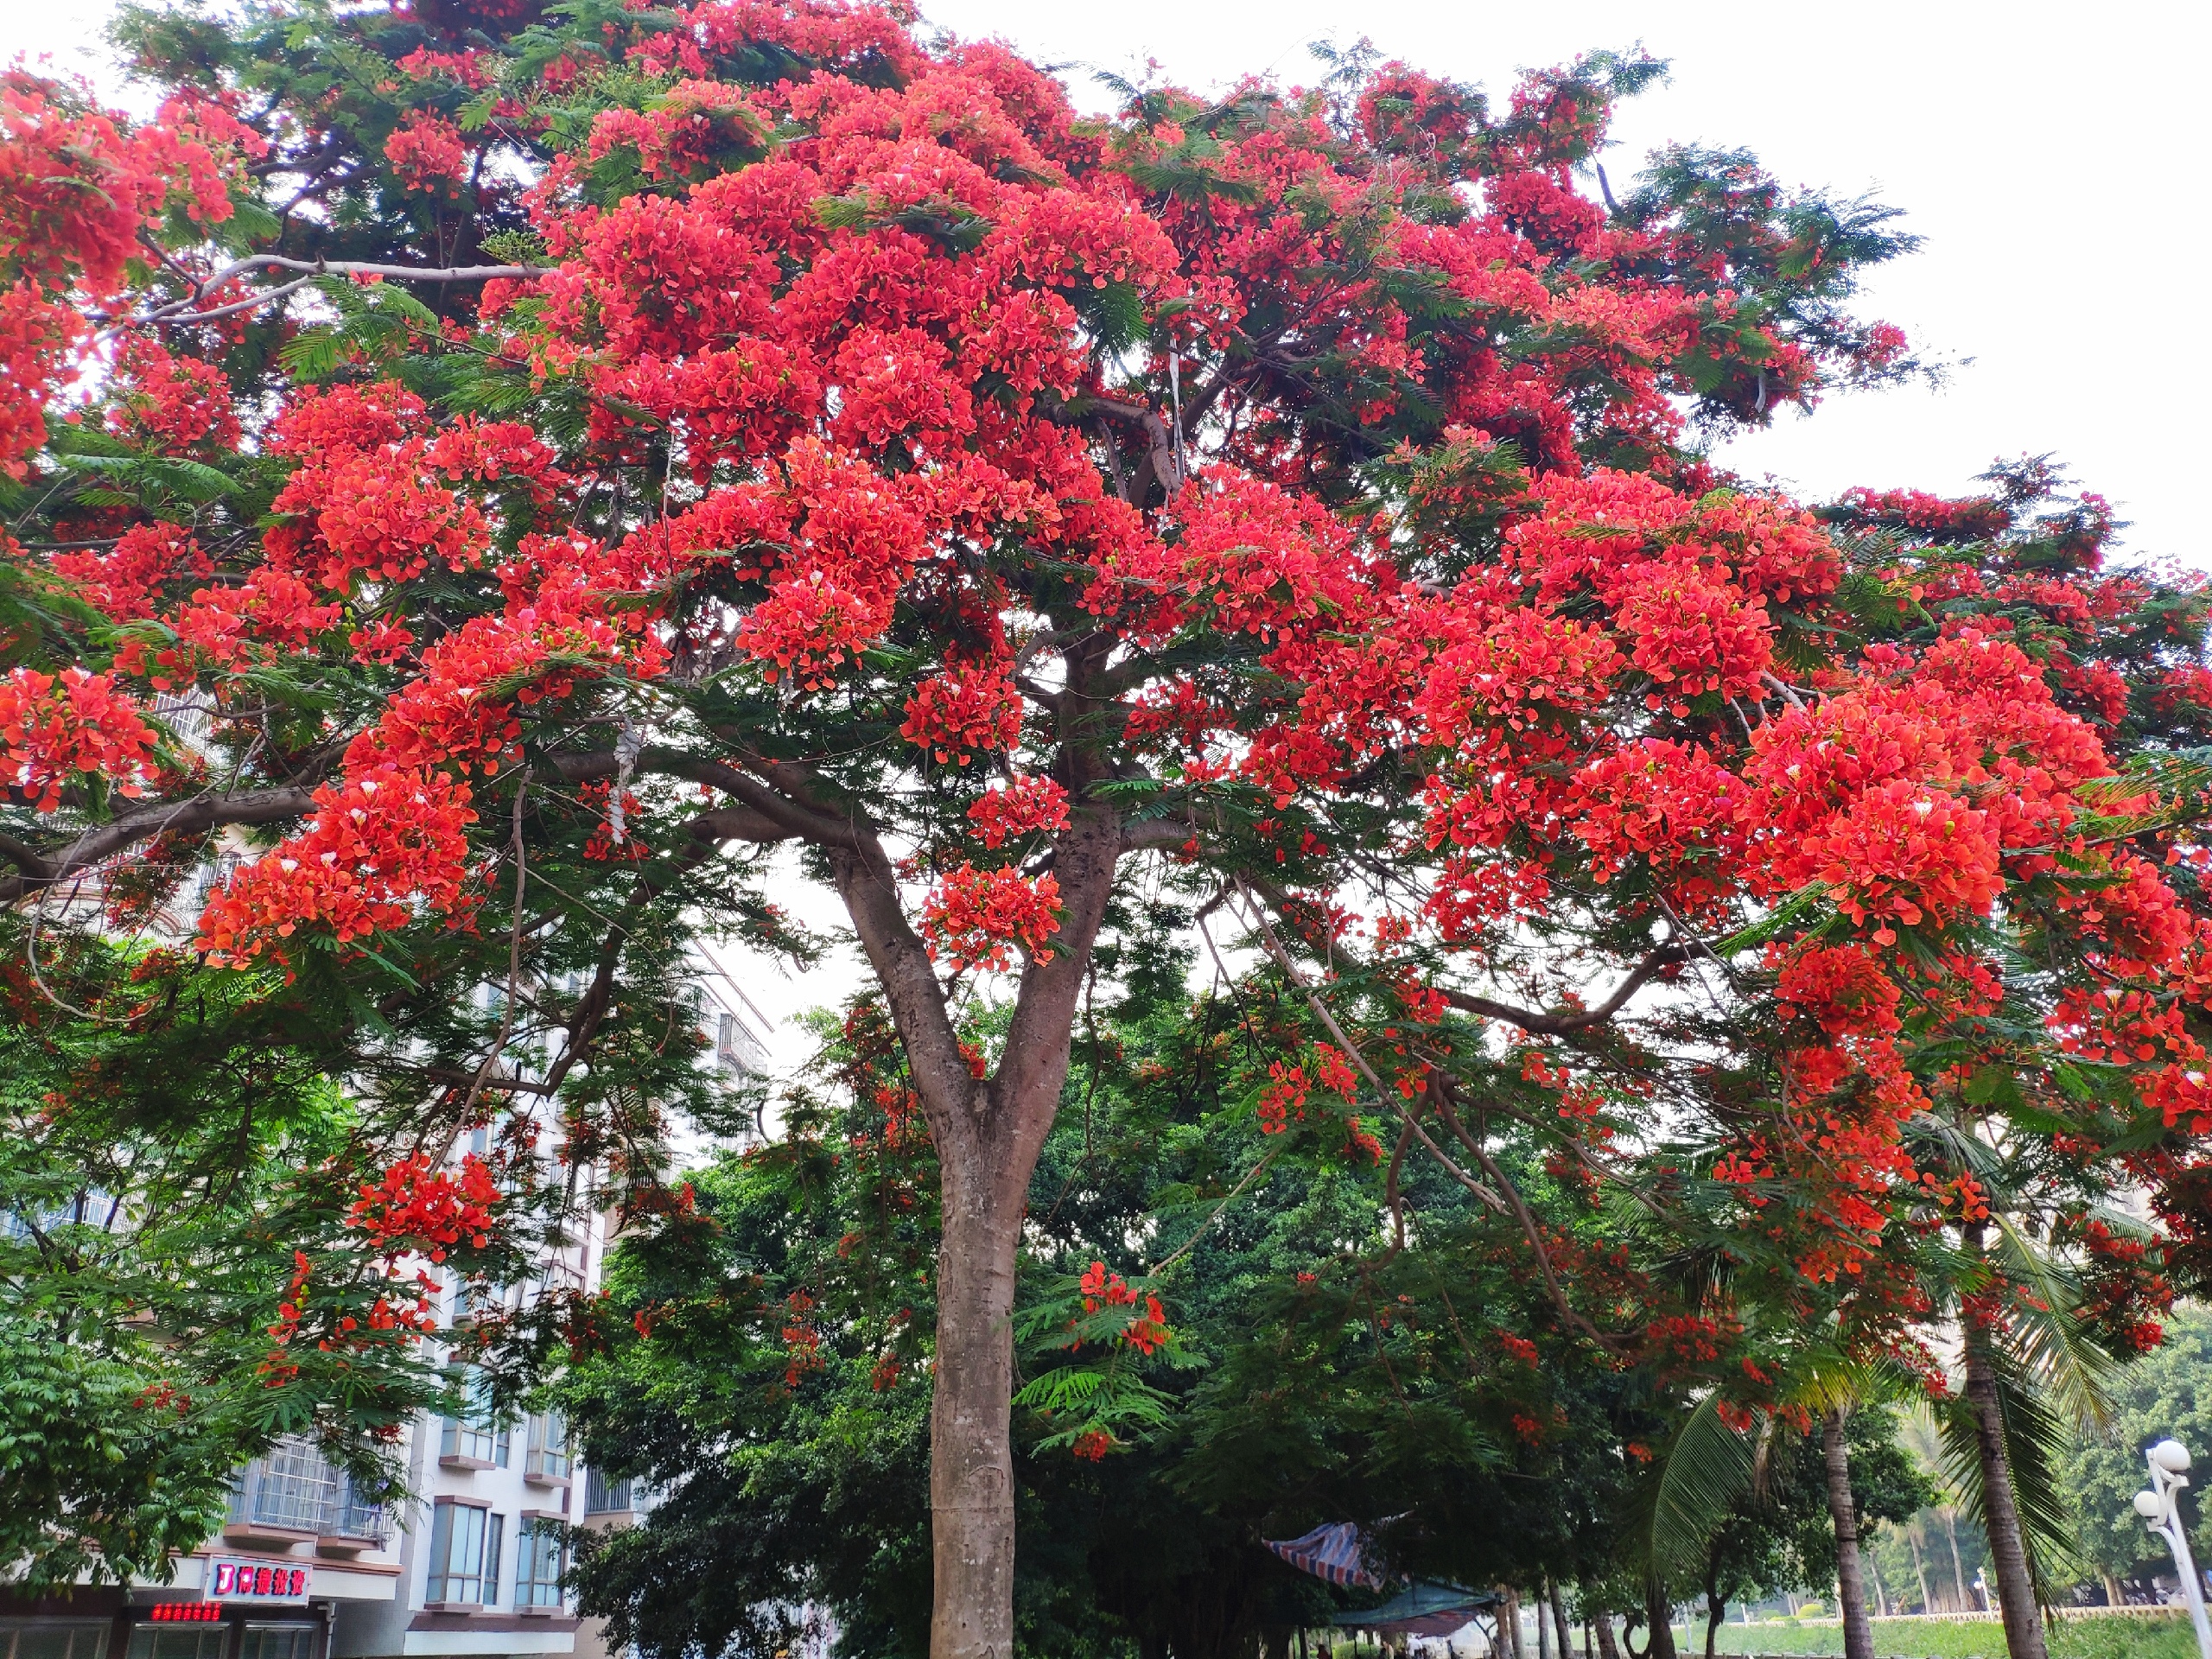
[175, 311]
[194, 816]
[1160, 457]
[1028, 1086]
[1154, 832]
[767, 817]
[869, 887]
[1566, 1024]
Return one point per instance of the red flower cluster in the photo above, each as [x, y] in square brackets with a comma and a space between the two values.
[975, 917]
[54, 729]
[420, 1210]
[1023, 807]
[1147, 1328]
[963, 712]
[428, 154]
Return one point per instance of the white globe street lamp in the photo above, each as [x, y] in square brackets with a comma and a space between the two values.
[2161, 1507]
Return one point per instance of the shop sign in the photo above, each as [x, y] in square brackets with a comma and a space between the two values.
[260, 1582]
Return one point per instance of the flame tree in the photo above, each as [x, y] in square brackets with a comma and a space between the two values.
[549, 478]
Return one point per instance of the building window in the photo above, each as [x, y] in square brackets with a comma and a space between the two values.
[541, 1556]
[604, 1496]
[481, 1433]
[289, 1487]
[548, 1458]
[464, 1554]
[54, 1640]
[169, 1642]
[278, 1642]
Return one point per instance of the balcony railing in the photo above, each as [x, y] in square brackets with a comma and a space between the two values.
[292, 1489]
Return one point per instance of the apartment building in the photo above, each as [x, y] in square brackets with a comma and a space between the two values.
[470, 1564]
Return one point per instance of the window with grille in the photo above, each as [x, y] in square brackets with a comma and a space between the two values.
[289, 1486]
[548, 1458]
[604, 1496]
[541, 1556]
[464, 1554]
[479, 1433]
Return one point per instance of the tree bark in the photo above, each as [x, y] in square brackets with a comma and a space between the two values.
[971, 1442]
[1659, 1614]
[1919, 1567]
[1559, 1620]
[2008, 1552]
[1958, 1565]
[1511, 1618]
[1543, 1630]
[1843, 1511]
[1607, 1648]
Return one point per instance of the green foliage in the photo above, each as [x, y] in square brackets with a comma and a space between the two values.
[166, 1166]
[773, 1370]
[2166, 1393]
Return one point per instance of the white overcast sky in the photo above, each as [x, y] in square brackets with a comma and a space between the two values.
[2052, 155]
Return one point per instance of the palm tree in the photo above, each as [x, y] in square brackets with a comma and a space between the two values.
[1843, 1512]
[2024, 1385]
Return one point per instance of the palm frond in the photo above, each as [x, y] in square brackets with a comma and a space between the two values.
[2051, 1344]
[1707, 1470]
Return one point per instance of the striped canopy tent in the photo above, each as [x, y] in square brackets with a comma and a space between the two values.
[1332, 1552]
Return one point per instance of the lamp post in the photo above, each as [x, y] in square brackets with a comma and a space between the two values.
[2160, 1506]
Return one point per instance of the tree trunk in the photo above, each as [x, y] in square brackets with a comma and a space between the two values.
[1607, 1648]
[1874, 1575]
[2008, 1551]
[1543, 1630]
[988, 1135]
[1958, 1566]
[1559, 1620]
[2113, 1598]
[1659, 1615]
[1716, 1614]
[1512, 1622]
[1919, 1568]
[971, 1439]
[1843, 1511]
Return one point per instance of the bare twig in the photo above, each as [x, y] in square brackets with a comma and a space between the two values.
[1521, 1212]
[514, 960]
[1274, 948]
[1214, 1214]
[313, 268]
[1562, 1025]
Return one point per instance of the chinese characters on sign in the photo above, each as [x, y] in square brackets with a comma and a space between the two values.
[262, 1581]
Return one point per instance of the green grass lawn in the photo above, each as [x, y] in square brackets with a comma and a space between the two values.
[2117, 1637]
